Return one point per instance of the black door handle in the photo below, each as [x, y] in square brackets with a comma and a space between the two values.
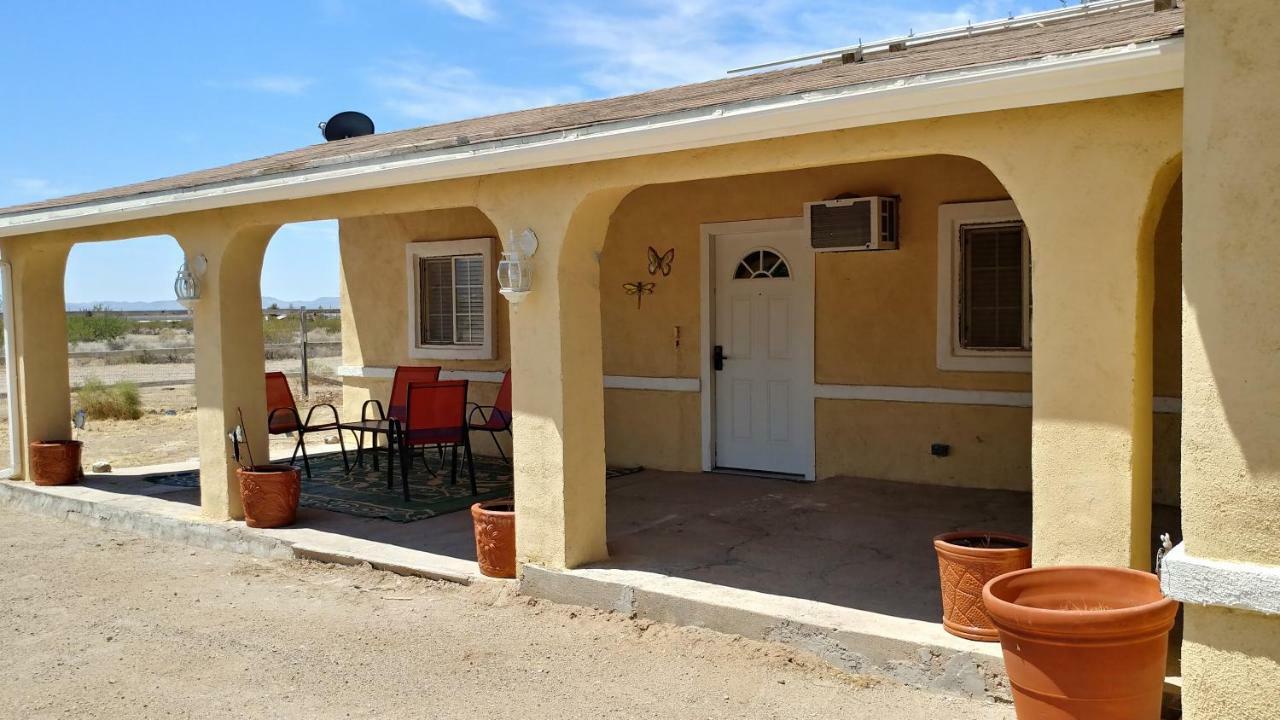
[717, 357]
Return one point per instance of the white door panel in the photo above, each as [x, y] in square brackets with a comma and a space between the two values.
[763, 303]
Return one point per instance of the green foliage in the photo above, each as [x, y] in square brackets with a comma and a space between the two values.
[100, 401]
[97, 325]
[279, 331]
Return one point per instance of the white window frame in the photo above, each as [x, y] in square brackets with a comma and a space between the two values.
[951, 355]
[416, 251]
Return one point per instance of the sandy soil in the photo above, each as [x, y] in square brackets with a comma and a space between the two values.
[161, 437]
[102, 625]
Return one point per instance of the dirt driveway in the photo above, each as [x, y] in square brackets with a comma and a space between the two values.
[105, 625]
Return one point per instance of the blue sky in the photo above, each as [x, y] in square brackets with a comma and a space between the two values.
[101, 94]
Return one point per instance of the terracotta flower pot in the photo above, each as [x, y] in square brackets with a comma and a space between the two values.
[55, 462]
[1083, 642]
[495, 524]
[966, 562]
[269, 494]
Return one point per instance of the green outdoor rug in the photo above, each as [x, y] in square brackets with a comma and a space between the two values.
[364, 492]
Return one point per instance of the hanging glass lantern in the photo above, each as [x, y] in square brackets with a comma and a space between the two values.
[515, 270]
[187, 285]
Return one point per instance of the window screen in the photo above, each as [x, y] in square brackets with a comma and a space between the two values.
[451, 290]
[993, 275]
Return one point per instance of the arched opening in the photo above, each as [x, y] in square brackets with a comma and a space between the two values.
[302, 326]
[130, 354]
[918, 423]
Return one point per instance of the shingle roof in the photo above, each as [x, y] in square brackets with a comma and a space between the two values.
[1079, 34]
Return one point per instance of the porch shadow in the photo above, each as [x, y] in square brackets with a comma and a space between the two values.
[852, 542]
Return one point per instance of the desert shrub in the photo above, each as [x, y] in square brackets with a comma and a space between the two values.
[279, 331]
[97, 325]
[331, 324]
[100, 401]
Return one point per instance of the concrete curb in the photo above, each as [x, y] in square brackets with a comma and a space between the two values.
[153, 516]
[909, 651]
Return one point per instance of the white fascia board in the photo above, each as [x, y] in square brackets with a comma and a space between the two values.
[1204, 581]
[1132, 69]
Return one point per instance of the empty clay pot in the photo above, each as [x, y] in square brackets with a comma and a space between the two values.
[270, 495]
[1083, 642]
[495, 525]
[967, 561]
[55, 462]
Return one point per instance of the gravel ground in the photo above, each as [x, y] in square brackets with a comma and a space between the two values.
[100, 624]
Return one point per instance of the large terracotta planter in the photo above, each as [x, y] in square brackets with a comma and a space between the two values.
[1083, 642]
[495, 524]
[966, 562]
[270, 494]
[55, 462]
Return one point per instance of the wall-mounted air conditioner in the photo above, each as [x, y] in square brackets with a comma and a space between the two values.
[864, 223]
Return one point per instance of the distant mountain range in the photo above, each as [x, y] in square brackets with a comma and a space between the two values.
[324, 303]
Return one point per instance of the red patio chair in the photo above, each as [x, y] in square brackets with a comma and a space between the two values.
[405, 374]
[435, 415]
[283, 417]
[494, 418]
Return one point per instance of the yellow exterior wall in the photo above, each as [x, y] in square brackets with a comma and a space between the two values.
[991, 446]
[375, 310]
[1230, 373]
[654, 429]
[1230, 664]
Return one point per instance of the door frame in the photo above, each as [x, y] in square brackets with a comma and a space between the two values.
[708, 233]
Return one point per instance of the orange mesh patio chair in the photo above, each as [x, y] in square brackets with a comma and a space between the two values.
[494, 418]
[435, 416]
[405, 374]
[283, 418]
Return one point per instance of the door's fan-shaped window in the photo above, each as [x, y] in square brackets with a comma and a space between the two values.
[761, 264]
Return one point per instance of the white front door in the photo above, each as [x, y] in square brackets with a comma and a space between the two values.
[763, 299]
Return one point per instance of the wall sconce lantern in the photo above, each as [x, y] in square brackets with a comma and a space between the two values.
[187, 285]
[515, 270]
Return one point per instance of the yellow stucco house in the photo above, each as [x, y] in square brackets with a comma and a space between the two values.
[1078, 267]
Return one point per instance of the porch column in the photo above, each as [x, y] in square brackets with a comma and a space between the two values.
[557, 377]
[1091, 225]
[1230, 365]
[229, 358]
[38, 271]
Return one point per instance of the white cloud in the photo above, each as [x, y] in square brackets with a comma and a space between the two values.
[277, 84]
[432, 92]
[474, 9]
[629, 46]
[644, 44]
[29, 189]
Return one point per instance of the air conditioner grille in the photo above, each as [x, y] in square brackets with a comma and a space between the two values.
[840, 226]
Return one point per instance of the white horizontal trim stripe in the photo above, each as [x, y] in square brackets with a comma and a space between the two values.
[942, 396]
[668, 384]
[484, 376]
[387, 373]
[1202, 581]
[881, 393]
[365, 371]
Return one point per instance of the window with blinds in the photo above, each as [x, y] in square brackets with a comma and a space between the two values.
[995, 278]
[451, 293]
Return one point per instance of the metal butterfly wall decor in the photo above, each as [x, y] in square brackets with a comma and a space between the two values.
[639, 289]
[661, 263]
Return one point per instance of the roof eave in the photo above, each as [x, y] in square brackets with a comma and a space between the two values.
[1131, 69]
